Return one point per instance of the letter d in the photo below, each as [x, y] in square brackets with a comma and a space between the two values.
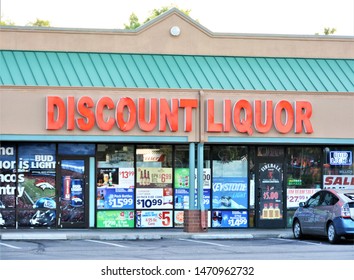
[55, 113]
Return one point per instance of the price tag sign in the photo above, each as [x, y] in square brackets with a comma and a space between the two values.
[295, 196]
[151, 219]
[126, 177]
[154, 198]
[154, 177]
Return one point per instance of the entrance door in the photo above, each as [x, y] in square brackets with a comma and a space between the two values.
[73, 189]
[270, 195]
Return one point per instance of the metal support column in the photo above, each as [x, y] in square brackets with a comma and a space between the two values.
[191, 176]
[200, 181]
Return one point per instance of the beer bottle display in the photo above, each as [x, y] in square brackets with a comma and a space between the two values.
[276, 211]
[265, 211]
[271, 211]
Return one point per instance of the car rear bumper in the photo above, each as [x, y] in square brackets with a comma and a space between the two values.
[344, 226]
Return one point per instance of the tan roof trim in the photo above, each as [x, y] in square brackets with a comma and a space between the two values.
[155, 38]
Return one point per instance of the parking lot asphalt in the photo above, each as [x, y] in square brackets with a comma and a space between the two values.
[140, 234]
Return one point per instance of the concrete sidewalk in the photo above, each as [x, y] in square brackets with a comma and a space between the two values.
[139, 234]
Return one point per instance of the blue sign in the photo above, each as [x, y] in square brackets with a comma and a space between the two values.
[182, 199]
[230, 193]
[115, 198]
[340, 158]
[230, 219]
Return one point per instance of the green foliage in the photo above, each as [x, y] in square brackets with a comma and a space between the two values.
[329, 31]
[134, 21]
[6, 22]
[40, 22]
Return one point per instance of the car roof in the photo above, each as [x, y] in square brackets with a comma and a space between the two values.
[345, 194]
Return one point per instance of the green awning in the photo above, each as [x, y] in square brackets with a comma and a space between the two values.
[72, 69]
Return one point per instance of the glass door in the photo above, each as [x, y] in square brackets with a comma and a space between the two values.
[269, 185]
[73, 199]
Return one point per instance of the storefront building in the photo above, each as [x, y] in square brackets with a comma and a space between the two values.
[137, 129]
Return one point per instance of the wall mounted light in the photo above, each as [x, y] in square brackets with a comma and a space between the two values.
[175, 31]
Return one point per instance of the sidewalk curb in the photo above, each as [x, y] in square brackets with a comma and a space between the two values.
[136, 235]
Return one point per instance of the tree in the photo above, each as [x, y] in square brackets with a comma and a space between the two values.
[40, 22]
[6, 22]
[134, 21]
[329, 31]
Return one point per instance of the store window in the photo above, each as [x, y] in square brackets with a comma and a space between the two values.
[76, 149]
[303, 176]
[36, 184]
[115, 186]
[8, 180]
[154, 192]
[181, 182]
[338, 168]
[230, 186]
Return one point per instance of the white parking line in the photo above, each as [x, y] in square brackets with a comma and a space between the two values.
[10, 246]
[203, 242]
[297, 240]
[107, 243]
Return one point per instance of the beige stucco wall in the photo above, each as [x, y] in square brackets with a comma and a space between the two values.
[155, 38]
[23, 112]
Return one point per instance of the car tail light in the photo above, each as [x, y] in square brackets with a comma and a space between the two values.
[345, 211]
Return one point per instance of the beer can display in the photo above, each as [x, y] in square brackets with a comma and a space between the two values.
[66, 188]
[76, 193]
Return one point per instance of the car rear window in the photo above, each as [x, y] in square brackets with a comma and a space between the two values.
[350, 195]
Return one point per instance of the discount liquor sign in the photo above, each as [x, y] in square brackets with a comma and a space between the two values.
[160, 114]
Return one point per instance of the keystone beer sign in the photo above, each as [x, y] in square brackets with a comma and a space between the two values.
[161, 114]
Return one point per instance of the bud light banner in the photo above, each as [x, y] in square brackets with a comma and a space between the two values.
[230, 219]
[230, 193]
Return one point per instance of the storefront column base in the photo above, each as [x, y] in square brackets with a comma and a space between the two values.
[195, 220]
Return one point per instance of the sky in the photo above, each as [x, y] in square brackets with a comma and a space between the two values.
[301, 17]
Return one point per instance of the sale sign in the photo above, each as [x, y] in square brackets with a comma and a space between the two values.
[152, 219]
[230, 219]
[154, 177]
[182, 178]
[115, 198]
[154, 198]
[115, 219]
[295, 196]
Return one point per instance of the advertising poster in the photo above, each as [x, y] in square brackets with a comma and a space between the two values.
[229, 219]
[153, 219]
[115, 219]
[230, 193]
[179, 218]
[8, 180]
[36, 184]
[115, 198]
[154, 198]
[115, 188]
[72, 191]
[182, 178]
[271, 198]
[338, 182]
[153, 177]
[182, 198]
[295, 196]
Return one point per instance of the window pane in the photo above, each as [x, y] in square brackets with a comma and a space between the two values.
[230, 186]
[115, 182]
[303, 174]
